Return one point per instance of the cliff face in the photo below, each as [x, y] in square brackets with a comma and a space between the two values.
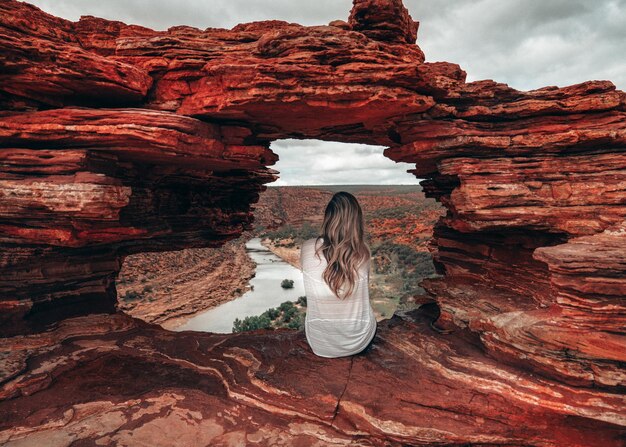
[117, 139]
[168, 288]
[535, 188]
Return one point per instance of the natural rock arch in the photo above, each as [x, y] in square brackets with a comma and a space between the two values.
[116, 139]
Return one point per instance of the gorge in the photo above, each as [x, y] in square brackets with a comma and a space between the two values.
[266, 292]
[116, 139]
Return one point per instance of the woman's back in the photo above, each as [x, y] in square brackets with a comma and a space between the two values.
[335, 327]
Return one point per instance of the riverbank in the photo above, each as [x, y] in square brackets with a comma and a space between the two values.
[290, 255]
[267, 292]
[171, 288]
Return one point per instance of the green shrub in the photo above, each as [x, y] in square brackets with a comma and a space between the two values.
[297, 322]
[289, 314]
[286, 315]
[287, 284]
[272, 313]
[252, 323]
[285, 306]
[307, 231]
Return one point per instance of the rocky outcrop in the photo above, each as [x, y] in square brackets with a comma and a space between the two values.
[114, 380]
[522, 179]
[82, 188]
[387, 21]
[44, 65]
[116, 139]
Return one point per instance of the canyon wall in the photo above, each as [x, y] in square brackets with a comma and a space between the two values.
[117, 139]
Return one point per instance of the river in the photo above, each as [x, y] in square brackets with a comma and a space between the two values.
[265, 294]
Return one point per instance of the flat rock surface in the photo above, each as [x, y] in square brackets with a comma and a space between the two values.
[106, 379]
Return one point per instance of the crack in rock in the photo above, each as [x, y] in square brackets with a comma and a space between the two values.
[342, 393]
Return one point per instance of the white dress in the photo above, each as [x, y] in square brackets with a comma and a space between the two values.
[334, 327]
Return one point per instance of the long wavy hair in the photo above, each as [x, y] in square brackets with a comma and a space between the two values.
[343, 246]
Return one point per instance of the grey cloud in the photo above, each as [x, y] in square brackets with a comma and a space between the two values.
[313, 162]
[161, 14]
[366, 150]
[527, 44]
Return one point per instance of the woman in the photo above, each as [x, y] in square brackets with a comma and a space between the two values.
[335, 266]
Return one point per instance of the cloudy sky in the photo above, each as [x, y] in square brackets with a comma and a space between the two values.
[525, 43]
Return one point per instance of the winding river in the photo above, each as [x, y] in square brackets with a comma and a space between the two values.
[265, 294]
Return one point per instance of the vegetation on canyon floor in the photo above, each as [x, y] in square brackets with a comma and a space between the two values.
[287, 284]
[289, 314]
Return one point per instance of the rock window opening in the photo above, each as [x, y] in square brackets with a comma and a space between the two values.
[194, 288]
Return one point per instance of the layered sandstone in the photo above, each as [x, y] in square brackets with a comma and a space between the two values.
[109, 379]
[82, 188]
[523, 179]
[117, 139]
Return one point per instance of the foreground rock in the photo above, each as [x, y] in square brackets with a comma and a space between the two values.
[115, 380]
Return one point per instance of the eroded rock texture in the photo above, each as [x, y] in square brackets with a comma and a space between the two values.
[109, 379]
[81, 188]
[117, 139]
[532, 246]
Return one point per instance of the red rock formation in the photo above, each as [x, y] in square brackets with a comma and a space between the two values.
[385, 21]
[43, 65]
[82, 188]
[117, 139]
[520, 178]
[112, 379]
